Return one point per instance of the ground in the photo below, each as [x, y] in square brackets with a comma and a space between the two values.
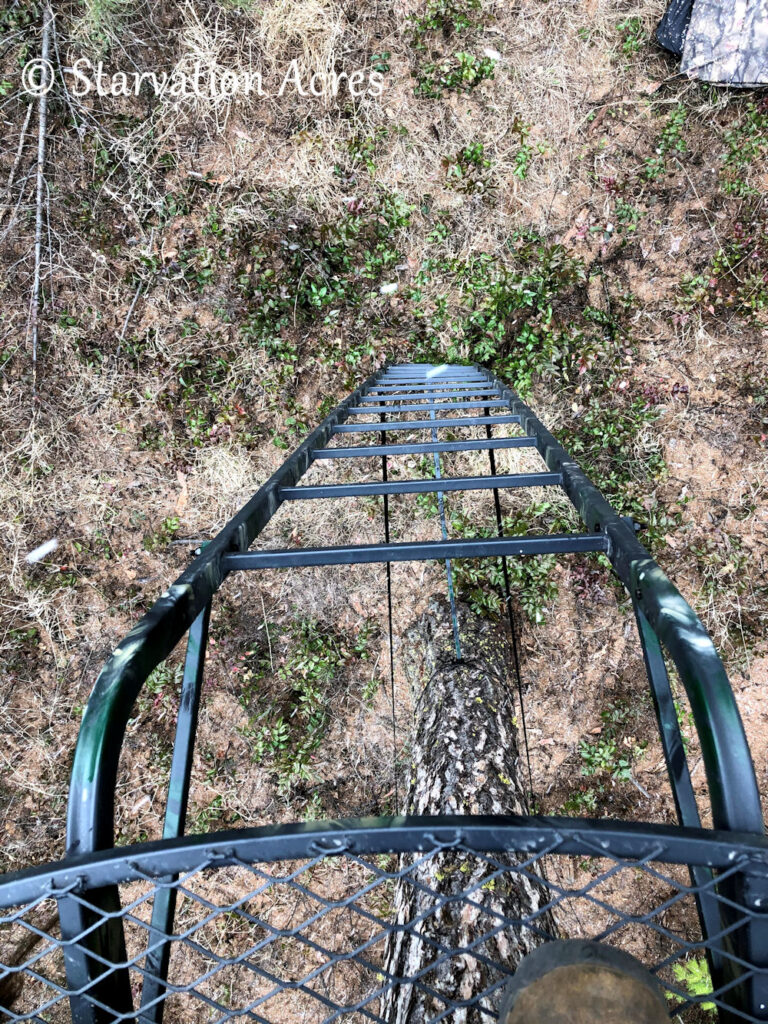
[537, 190]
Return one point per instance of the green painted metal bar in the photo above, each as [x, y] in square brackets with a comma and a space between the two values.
[415, 396]
[448, 483]
[438, 407]
[464, 421]
[423, 448]
[267, 844]
[91, 808]
[416, 551]
[391, 390]
[164, 904]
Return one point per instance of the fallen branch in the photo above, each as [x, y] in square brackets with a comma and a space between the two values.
[33, 322]
[139, 290]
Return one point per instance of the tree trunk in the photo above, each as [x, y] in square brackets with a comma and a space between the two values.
[465, 760]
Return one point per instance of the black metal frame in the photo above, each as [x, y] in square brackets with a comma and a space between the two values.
[509, 847]
[93, 929]
[525, 834]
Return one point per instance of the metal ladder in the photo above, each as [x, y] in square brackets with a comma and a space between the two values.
[437, 399]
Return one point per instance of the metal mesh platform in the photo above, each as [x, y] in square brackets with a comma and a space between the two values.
[299, 924]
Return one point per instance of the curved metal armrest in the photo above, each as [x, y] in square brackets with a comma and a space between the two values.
[731, 777]
[90, 812]
[733, 790]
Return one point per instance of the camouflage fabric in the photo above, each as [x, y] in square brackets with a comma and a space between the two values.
[672, 27]
[727, 42]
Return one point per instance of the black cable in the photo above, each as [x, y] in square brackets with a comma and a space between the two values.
[511, 617]
[444, 531]
[389, 619]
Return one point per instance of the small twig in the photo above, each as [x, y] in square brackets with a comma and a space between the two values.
[128, 315]
[50, 243]
[266, 629]
[10, 224]
[637, 785]
[17, 161]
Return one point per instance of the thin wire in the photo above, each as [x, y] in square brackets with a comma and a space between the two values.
[389, 621]
[444, 529]
[511, 617]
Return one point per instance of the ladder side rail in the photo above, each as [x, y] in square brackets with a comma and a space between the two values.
[91, 806]
[728, 764]
[731, 781]
[164, 903]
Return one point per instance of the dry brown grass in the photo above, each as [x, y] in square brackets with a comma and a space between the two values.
[108, 454]
[80, 468]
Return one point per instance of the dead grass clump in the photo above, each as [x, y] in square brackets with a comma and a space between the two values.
[310, 31]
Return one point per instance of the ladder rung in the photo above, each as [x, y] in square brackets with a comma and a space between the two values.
[420, 551]
[447, 483]
[423, 447]
[473, 393]
[436, 379]
[431, 369]
[388, 388]
[363, 410]
[467, 421]
[456, 381]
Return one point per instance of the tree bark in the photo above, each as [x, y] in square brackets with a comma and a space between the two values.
[465, 760]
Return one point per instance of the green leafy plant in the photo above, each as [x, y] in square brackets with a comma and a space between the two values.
[597, 757]
[670, 141]
[737, 277]
[632, 34]
[380, 61]
[163, 536]
[210, 816]
[481, 583]
[300, 273]
[286, 733]
[526, 152]
[583, 801]
[627, 215]
[608, 436]
[693, 975]
[746, 144]
[365, 148]
[612, 753]
[460, 72]
[160, 692]
[506, 312]
[465, 170]
[446, 17]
